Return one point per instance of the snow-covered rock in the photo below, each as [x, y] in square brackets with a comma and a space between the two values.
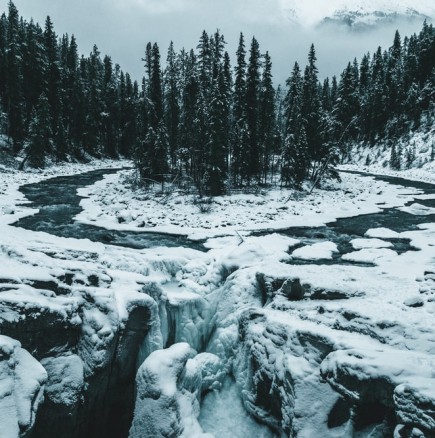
[385, 382]
[22, 380]
[415, 403]
[169, 387]
[317, 251]
[278, 369]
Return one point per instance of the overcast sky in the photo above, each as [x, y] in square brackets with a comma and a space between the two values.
[121, 28]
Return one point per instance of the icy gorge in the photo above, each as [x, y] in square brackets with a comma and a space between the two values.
[228, 336]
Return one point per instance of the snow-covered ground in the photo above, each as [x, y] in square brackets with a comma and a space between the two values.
[113, 204]
[90, 311]
[417, 157]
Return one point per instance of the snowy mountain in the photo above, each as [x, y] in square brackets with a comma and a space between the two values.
[356, 14]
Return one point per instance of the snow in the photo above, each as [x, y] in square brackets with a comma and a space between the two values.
[22, 380]
[382, 233]
[170, 383]
[418, 209]
[369, 255]
[315, 11]
[376, 159]
[65, 379]
[318, 251]
[370, 243]
[111, 199]
[226, 303]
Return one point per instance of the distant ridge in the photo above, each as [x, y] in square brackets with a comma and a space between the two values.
[357, 14]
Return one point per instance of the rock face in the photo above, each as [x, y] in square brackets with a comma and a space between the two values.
[169, 387]
[64, 394]
[277, 368]
[306, 380]
[385, 384]
[293, 290]
[415, 404]
[22, 380]
[89, 349]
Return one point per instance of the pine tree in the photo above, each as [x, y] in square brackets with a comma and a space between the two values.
[227, 94]
[189, 138]
[3, 54]
[172, 103]
[395, 157]
[364, 97]
[346, 109]
[216, 160]
[156, 92]
[238, 133]
[202, 117]
[92, 72]
[110, 111]
[154, 155]
[129, 108]
[378, 115]
[311, 107]
[40, 134]
[267, 117]
[295, 160]
[61, 142]
[52, 72]
[34, 65]
[14, 86]
[251, 164]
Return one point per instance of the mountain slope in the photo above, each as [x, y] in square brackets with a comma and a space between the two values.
[356, 13]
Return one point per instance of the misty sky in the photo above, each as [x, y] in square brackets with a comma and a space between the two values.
[121, 28]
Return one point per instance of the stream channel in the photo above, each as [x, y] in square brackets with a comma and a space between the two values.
[58, 204]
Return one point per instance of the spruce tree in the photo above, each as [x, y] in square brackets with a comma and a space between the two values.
[238, 133]
[217, 147]
[267, 117]
[189, 138]
[311, 109]
[157, 143]
[40, 134]
[295, 160]
[156, 91]
[14, 79]
[52, 72]
[378, 108]
[172, 103]
[251, 162]
[110, 109]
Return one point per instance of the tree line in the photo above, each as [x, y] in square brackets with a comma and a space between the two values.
[198, 116]
[387, 95]
[57, 104]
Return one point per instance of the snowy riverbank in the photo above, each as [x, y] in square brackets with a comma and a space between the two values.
[11, 179]
[113, 204]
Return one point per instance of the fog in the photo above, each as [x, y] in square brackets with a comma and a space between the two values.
[122, 28]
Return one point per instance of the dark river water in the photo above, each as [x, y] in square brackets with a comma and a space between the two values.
[58, 203]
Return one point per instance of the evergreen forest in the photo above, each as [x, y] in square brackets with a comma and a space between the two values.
[196, 115]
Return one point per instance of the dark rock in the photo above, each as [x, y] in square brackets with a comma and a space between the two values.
[293, 290]
[414, 302]
[322, 294]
